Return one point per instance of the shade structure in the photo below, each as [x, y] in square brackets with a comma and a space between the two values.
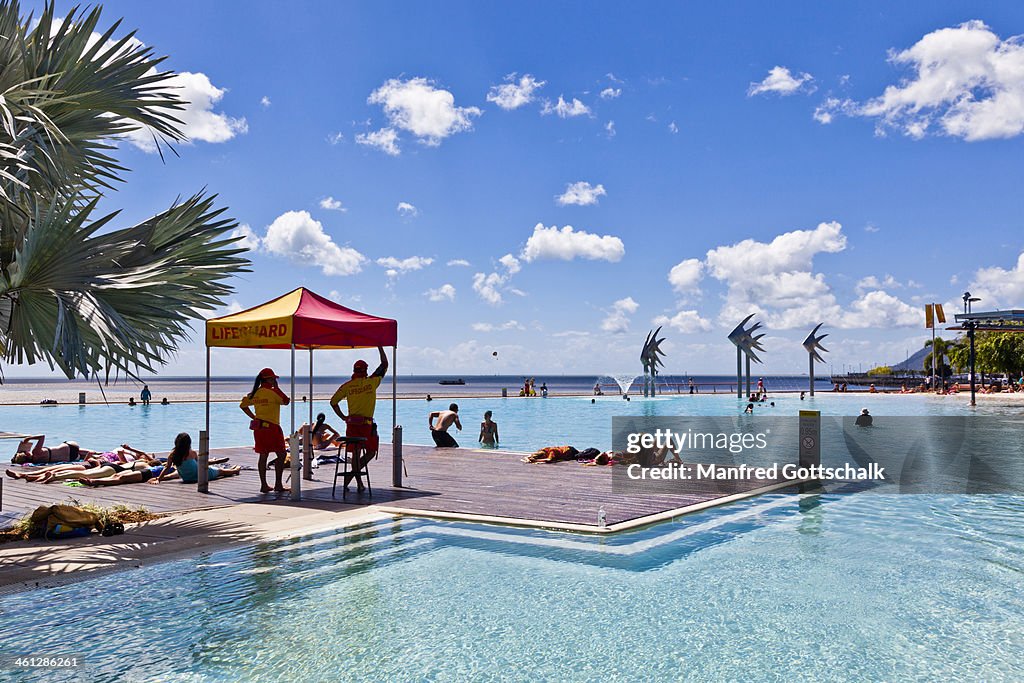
[302, 319]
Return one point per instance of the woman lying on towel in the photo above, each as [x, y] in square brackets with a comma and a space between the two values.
[552, 454]
[185, 462]
[67, 451]
[90, 469]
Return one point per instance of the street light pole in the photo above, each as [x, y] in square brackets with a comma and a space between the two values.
[970, 337]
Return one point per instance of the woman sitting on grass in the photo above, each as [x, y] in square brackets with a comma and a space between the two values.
[185, 462]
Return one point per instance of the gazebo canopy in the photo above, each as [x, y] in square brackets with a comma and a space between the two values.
[302, 318]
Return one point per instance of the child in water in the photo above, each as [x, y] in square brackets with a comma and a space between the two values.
[489, 431]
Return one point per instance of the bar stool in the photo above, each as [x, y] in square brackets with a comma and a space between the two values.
[344, 461]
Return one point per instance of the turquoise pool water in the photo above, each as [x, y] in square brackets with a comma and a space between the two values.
[524, 424]
[777, 588]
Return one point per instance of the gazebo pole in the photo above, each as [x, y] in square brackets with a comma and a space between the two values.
[202, 481]
[394, 388]
[207, 390]
[296, 457]
[307, 463]
[396, 442]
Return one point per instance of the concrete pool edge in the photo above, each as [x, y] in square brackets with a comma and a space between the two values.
[618, 527]
[35, 564]
[32, 565]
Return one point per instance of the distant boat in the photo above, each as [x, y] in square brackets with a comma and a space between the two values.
[452, 382]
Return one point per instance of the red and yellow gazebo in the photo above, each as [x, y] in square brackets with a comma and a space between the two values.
[301, 320]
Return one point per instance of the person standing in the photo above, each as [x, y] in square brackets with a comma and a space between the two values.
[361, 394]
[266, 399]
[489, 431]
[440, 421]
[145, 395]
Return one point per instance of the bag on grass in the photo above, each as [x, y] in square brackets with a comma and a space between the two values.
[63, 521]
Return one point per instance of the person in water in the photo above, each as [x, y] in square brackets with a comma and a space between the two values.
[185, 462]
[489, 431]
[266, 399]
[440, 421]
[864, 419]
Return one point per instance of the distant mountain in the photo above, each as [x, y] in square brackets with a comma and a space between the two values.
[914, 364]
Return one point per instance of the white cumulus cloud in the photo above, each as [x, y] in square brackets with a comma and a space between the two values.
[514, 93]
[617, 317]
[1000, 287]
[265, 102]
[407, 210]
[297, 236]
[385, 139]
[247, 238]
[489, 286]
[332, 204]
[458, 262]
[511, 263]
[964, 82]
[686, 322]
[396, 266]
[879, 309]
[199, 119]
[581, 194]
[568, 244]
[417, 106]
[781, 82]
[445, 292]
[499, 327]
[775, 279]
[565, 109]
[610, 93]
[686, 275]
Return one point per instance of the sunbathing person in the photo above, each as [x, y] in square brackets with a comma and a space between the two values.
[323, 435]
[108, 469]
[67, 451]
[185, 462]
[551, 454]
[38, 473]
[133, 476]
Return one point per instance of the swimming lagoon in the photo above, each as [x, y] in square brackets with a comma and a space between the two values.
[815, 587]
[525, 424]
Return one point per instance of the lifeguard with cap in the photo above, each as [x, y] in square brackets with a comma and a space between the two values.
[266, 399]
[361, 394]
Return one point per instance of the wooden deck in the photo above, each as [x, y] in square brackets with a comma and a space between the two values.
[456, 481]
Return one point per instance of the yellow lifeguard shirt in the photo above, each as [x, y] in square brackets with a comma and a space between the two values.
[361, 393]
[266, 403]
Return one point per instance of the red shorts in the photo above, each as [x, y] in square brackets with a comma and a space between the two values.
[365, 429]
[269, 438]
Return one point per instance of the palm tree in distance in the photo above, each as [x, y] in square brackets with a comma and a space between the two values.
[77, 291]
[941, 349]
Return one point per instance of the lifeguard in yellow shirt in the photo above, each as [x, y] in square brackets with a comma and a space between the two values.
[361, 394]
[266, 398]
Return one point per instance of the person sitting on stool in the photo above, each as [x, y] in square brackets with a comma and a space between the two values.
[361, 394]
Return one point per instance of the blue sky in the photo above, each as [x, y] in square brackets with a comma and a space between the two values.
[811, 163]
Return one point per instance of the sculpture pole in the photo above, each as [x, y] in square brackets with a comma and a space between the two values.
[812, 344]
[748, 376]
[739, 372]
[810, 359]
